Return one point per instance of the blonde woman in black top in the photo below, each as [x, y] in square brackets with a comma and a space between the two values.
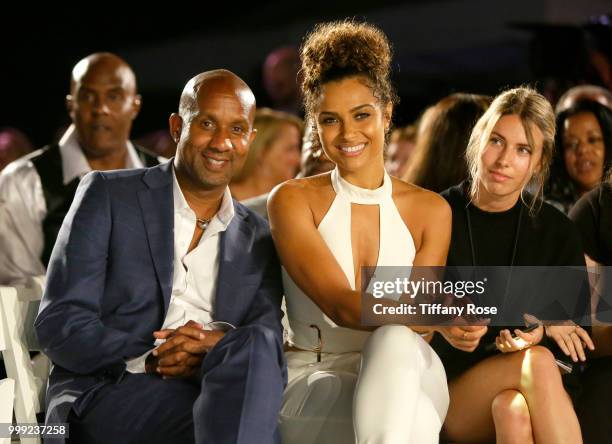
[516, 395]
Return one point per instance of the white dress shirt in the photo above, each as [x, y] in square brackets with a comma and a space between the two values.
[23, 208]
[194, 277]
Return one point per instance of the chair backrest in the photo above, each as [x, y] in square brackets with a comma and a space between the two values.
[7, 391]
[18, 309]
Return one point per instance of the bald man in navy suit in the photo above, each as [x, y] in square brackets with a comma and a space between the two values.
[162, 308]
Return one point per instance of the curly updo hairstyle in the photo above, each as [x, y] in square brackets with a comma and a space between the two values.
[341, 49]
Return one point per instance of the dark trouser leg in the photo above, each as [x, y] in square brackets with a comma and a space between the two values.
[140, 409]
[243, 379]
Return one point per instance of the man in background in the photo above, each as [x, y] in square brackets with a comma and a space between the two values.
[37, 190]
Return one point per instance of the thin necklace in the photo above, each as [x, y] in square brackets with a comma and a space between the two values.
[514, 248]
[516, 234]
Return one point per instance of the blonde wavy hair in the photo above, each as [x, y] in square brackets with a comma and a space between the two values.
[267, 123]
[534, 111]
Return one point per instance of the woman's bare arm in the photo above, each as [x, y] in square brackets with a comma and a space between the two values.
[432, 236]
[306, 257]
[311, 264]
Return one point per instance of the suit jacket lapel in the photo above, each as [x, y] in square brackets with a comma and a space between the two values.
[235, 244]
[157, 207]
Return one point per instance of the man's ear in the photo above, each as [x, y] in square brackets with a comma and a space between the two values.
[252, 136]
[69, 103]
[136, 105]
[176, 126]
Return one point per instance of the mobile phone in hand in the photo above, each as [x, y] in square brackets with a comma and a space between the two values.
[531, 327]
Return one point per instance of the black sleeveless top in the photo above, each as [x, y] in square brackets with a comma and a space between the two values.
[58, 197]
[547, 239]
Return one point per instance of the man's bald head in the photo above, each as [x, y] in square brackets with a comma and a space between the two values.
[102, 104]
[213, 130]
[219, 80]
[103, 62]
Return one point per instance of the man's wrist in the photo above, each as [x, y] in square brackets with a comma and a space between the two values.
[151, 364]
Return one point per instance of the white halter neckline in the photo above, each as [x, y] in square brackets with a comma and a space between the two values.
[395, 249]
[359, 195]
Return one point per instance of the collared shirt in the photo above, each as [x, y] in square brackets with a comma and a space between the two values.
[194, 277]
[23, 208]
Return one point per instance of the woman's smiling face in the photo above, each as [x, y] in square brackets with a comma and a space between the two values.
[351, 124]
[583, 150]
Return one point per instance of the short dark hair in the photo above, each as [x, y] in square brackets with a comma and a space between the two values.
[561, 186]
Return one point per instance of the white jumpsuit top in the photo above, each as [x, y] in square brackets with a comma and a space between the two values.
[388, 386]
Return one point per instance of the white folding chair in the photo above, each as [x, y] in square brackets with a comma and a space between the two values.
[18, 309]
[7, 393]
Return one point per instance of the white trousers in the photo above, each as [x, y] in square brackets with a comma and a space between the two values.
[393, 392]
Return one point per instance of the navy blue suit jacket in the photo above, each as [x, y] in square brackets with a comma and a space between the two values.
[109, 280]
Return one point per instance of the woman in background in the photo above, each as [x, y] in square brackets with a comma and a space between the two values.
[314, 160]
[274, 155]
[584, 152]
[400, 150]
[438, 160]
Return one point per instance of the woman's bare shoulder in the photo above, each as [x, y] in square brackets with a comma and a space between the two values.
[414, 199]
[300, 191]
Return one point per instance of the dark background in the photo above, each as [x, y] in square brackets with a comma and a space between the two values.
[440, 46]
